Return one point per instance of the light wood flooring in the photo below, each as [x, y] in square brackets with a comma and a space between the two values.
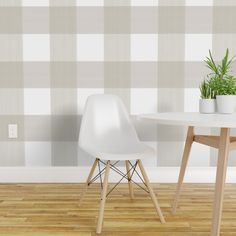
[53, 209]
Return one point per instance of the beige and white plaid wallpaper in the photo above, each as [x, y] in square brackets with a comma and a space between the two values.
[55, 53]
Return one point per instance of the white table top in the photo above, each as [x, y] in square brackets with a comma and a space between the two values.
[193, 119]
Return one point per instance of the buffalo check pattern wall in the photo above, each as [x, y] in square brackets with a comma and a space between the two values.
[55, 53]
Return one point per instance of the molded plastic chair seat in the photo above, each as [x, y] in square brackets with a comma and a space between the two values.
[128, 151]
[107, 131]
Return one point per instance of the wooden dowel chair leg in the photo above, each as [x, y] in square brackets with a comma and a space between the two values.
[88, 180]
[152, 194]
[187, 149]
[103, 199]
[131, 189]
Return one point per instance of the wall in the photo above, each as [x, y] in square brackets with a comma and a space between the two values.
[54, 54]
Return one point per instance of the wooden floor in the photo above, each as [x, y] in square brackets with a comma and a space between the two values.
[53, 209]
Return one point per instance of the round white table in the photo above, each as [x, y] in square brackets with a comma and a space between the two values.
[224, 143]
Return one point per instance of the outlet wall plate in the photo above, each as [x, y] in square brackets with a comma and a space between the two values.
[12, 131]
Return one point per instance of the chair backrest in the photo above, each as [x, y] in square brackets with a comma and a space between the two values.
[106, 125]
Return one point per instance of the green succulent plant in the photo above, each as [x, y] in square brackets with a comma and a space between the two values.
[220, 70]
[206, 90]
[226, 86]
[219, 81]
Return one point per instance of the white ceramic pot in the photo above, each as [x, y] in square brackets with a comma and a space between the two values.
[235, 103]
[225, 104]
[207, 106]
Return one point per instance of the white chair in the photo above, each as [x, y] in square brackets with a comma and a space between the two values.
[108, 134]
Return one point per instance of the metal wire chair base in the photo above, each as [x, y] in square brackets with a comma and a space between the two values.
[131, 171]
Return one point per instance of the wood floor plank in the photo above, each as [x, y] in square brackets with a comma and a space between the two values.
[53, 209]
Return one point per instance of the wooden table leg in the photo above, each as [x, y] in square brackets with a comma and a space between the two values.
[187, 149]
[131, 189]
[220, 180]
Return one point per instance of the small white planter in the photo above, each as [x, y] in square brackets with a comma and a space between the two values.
[207, 106]
[225, 104]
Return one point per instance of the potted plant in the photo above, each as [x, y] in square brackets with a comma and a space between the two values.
[207, 101]
[222, 84]
[225, 90]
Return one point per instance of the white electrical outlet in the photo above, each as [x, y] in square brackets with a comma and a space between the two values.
[12, 131]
